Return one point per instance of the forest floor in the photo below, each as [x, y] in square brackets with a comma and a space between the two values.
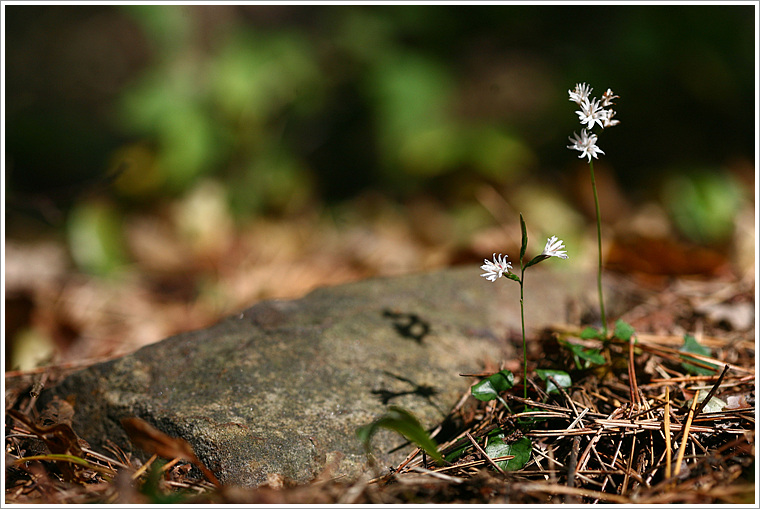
[625, 431]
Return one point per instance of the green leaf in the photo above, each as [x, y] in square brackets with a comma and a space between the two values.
[623, 330]
[403, 422]
[521, 449]
[562, 378]
[592, 333]
[590, 355]
[524, 245]
[489, 389]
[460, 446]
[537, 259]
[690, 345]
[513, 277]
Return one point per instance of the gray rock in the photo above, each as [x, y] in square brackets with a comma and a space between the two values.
[282, 386]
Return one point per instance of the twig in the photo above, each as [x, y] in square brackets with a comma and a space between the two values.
[628, 468]
[688, 356]
[559, 489]
[635, 399]
[143, 468]
[487, 458]
[564, 394]
[434, 473]
[711, 393]
[682, 449]
[571, 468]
[577, 419]
[666, 426]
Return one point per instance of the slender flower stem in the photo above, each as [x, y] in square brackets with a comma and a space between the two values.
[599, 242]
[522, 319]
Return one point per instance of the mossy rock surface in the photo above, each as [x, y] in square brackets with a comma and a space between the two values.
[282, 386]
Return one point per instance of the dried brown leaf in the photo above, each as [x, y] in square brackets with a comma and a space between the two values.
[154, 441]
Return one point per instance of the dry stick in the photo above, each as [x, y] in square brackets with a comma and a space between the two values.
[686, 356]
[618, 463]
[436, 474]
[651, 436]
[635, 399]
[648, 410]
[571, 468]
[558, 489]
[699, 378]
[480, 449]
[475, 463]
[537, 404]
[704, 401]
[666, 425]
[613, 428]
[712, 391]
[578, 419]
[143, 468]
[564, 394]
[682, 449]
[36, 390]
[628, 468]
[408, 459]
[592, 446]
[584, 456]
[550, 457]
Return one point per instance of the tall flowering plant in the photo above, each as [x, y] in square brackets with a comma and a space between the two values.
[501, 267]
[593, 112]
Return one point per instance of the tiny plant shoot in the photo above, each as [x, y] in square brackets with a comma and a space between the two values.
[501, 267]
[592, 112]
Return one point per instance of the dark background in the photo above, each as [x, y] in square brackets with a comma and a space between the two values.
[273, 98]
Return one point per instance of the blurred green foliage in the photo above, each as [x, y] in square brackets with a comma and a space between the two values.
[292, 105]
[703, 204]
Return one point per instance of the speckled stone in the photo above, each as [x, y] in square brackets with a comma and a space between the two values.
[281, 387]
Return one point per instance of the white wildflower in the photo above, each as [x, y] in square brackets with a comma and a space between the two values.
[554, 247]
[591, 112]
[608, 122]
[607, 98]
[580, 94]
[497, 268]
[586, 144]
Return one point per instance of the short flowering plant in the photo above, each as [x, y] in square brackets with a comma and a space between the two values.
[501, 267]
[593, 112]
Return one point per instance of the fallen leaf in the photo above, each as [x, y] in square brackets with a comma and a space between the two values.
[153, 441]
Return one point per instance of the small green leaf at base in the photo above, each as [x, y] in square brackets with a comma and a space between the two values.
[592, 333]
[690, 345]
[562, 378]
[489, 389]
[591, 356]
[521, 449]
[623, 330]
[403, 422]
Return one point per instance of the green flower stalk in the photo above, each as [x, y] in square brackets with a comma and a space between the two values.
[593, 112]
[501, 267]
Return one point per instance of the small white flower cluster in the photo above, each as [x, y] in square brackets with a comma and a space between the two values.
[554, 247]
[500, 266]
[592, 112]
[496, 268]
